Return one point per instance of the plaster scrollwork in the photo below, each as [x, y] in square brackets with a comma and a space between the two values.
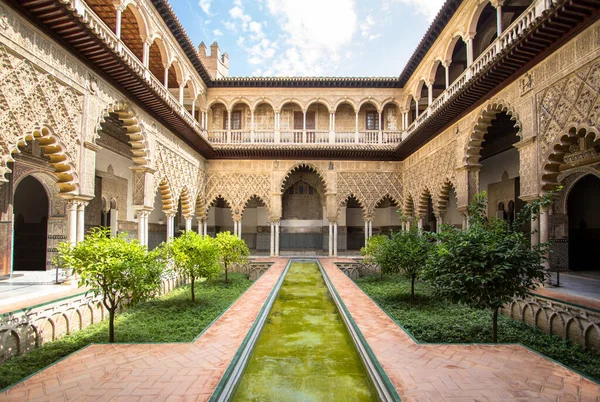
[177, 171]
[566, 110]
[36, 105]
[369, 188]
[237, 189]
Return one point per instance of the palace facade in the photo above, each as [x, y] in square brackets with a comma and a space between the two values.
[111, 116]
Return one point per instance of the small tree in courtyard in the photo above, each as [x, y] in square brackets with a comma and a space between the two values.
[490, 263]
[193, 256]
[406, 253]
[122, 272]
[372, 247]
[232, 250]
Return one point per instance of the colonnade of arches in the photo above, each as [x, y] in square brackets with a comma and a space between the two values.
[292, 121]
[487, 22]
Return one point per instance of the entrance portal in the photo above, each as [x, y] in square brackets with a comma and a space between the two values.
[31, 226]
[302, 203]
[584, 223]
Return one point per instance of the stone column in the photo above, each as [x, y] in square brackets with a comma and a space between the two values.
[304, 126]
[420, 224]
[330, 239]
[81, 220]
[252, 126]
[141, 232]
[166, 79]
[277, 238]
[499, 19]
[118, 27]
[544, 235]
[228, 127]
[429, 95]
[170, 225]
[417, 108]
[366, 232]
[380, 130]
[356, 129]
[201, 227]
[277, 128]
[447, 74]
[335, 239]
[114, 222]
[188, 223]
[240, 228]
[272, 238]
[72, 222]
[370, 229]
[439, 221]
[206, 227]
[535, 230]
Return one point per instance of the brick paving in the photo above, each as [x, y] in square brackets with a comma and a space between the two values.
[457, 372]
[191, 371]
[151, 372]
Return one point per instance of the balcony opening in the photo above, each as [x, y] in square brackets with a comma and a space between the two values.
[458, 58]
[133, 31]
[439, 79]
[291, 123]
[264, 123]
[345, 123]
[486, 30]
[158, 60]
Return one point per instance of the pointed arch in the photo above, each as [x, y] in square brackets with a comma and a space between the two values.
[555, 155]
[214, 198]
[479, 129]
[55, 150]
[360, 202]
[187, 208]
[139, 144]
[257, 196]
[299, 165]
[444, 195]
[166, 195]
[409, 206]
[424, 197]
[391, 198]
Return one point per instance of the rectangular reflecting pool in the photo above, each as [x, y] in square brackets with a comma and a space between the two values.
[304, 352]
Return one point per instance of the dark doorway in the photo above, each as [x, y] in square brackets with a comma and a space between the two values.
[584, 224]
[31, 226]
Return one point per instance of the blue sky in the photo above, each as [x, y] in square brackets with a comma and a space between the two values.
[310, 37]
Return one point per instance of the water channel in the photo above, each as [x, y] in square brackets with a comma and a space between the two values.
[304, 352]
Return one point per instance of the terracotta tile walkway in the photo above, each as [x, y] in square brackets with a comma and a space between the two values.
[191, 371]
[151, 372]
[458, 372]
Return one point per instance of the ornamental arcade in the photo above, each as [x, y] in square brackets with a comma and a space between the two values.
[111, 116]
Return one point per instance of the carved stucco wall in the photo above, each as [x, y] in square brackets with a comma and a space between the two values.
[42, 84]
[572, 73]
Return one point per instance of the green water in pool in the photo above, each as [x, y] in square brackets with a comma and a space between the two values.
[304, 352]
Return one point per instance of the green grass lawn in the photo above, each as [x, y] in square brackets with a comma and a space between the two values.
[433, 320]
[169, 318]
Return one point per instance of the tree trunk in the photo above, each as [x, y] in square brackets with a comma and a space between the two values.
[412, 287]
[495, 324]
[111, 324]
[193, 279]
[226, 279]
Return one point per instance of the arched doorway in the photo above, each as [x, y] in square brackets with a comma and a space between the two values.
[31, 225]
[355, 224]
[584, 223]
[303, 212]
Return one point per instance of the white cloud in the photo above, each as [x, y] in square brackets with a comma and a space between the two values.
[314, 40]
[258, 47]
[217, 32]
[205, 6]
[427, 8]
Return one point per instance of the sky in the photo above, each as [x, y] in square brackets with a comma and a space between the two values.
[310, 37]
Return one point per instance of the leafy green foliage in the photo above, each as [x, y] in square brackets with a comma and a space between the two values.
[405, 253]
[169, 318]
[119, 270]
[430, 318]
[193, 256]
[487, 265]
[373, 244]
[232, 250]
